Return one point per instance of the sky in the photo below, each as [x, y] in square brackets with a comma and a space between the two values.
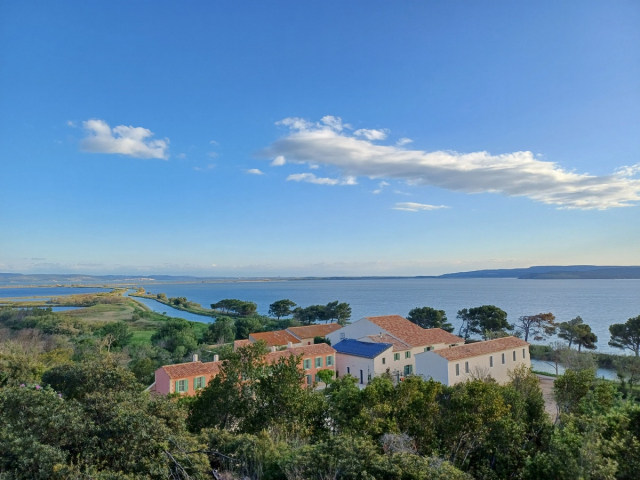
[318, 138]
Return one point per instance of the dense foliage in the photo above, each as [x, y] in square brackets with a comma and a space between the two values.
[73, 405]
[428, 317]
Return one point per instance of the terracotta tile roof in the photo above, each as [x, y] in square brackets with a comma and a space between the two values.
[398, 345]
[275, 339]
[240, 343]
[310, 331]
[411, 333]
[481, 348]
[183, 370]
[305, 350]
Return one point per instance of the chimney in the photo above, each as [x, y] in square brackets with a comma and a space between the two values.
[216, 357]
[195, 357]
[290, 345]
[273, 348]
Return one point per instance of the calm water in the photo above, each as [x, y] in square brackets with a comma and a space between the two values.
[173, 312]
[599, 302]
[541, 366]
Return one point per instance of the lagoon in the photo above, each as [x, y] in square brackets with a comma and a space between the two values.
[599, 302]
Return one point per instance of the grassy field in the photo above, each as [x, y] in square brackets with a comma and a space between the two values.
[142, 322]
[104, 312]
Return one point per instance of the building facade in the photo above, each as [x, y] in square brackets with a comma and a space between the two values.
[188, 378]
[457, 364]
[406, 340]
[362, 360]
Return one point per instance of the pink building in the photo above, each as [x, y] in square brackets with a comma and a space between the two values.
[188, 378]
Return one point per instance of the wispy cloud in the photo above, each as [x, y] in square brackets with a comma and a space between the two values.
[371, 134]
[278, 161]
[511, 174]
[132, 141]
[212, 154]
[404, 141]
[211, 166]
[311, 178]
[417, 207]
[254, 171]
[381, 185]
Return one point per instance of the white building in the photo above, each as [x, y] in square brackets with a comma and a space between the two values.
[402, 338]
[363, 360]
[475, 360]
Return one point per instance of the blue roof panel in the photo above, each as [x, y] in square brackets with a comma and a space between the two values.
[360, 349]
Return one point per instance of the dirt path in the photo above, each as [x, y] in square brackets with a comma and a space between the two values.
[546, 384]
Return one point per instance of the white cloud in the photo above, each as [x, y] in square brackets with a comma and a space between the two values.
[212, 154]
[381, 185]
[510, 174]
[404, 141]
[211, 166]
[371, 134]
[181, 156]
[213, 142]
[314, 167]
[255, 171]
[295, 123]
[278, 161]
[132, 141]
[71, 123]
[417, 207]
[334, 123]
[311, 178]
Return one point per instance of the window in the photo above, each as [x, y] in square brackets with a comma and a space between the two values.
[307, 364]
[198, 383]
[384, 360]
[523, 355]
[318, 362]
[491, 361]
[408, 369]
[329, 360]
[407, 354]
[514, 355]
[457, 369]
[427, 349]
[466, 367]
[503, 358]
[396, 356]
[348, 370]
[182, 386]
[342, 336]
[309, 381]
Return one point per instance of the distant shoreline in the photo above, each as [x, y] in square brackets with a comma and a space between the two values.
[199, 282]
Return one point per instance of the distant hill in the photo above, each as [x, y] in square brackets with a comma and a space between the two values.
[550, 272]
[538, 273]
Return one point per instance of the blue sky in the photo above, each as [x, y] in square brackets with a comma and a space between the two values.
[318, 138]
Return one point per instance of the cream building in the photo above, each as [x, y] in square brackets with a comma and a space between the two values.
[459, 363]
[398, 342]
